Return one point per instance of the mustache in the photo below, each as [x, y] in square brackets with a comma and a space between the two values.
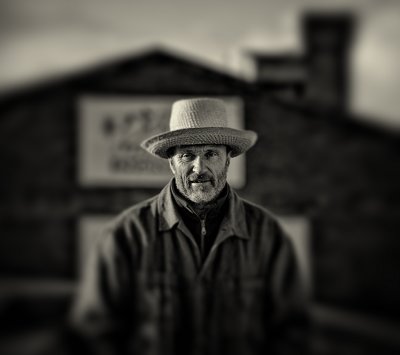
[200, 178]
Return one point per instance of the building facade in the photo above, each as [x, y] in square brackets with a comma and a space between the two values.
[331, 179]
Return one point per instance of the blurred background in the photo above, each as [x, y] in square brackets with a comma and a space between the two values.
[83, 82]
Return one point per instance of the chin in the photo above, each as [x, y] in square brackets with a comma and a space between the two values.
[201, 198]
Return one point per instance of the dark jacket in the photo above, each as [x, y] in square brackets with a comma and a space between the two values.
[146, 289]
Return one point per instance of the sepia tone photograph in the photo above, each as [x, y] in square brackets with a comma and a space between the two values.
[199, 178]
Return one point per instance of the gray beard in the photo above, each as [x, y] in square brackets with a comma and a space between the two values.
[200, 198]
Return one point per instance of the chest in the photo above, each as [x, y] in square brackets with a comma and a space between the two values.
[176, 254]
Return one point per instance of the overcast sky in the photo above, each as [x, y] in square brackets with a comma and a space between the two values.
[39, 38]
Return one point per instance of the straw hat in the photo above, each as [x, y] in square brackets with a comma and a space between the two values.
[199, 121]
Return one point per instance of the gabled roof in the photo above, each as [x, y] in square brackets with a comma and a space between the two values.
[159, 71]
[153, 69]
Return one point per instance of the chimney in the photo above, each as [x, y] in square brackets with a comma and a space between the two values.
[327, 40]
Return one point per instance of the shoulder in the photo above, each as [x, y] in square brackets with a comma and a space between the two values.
[258, 213]
[263, 226]
[134, 212]
[269, 241]
[131, 226]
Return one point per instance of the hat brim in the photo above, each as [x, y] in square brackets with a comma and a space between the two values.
[239, 141]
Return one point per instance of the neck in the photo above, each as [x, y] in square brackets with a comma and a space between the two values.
[202, 209]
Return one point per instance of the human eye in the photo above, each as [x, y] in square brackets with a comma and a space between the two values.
[186, 156]
[211, 154]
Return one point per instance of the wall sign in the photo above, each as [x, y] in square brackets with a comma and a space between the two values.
[111, 129]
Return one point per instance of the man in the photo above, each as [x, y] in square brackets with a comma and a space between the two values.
[195, 269]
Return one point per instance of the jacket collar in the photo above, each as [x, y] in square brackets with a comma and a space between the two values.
[234, 221]
[210, 211]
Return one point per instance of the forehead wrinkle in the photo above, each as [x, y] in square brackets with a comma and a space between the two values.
[201, 148]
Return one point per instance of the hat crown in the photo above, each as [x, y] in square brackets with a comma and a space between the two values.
[198, 113]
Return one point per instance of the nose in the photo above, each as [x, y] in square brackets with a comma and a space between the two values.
[198, 165]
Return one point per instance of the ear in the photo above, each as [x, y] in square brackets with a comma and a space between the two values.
[171, 165]
[228, 156]
[228, 151]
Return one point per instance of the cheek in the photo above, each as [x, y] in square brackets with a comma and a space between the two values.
[219, 168]
[180, 169]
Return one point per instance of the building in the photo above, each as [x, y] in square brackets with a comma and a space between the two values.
[332, 179]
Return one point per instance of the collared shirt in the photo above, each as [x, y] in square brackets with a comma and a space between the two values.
[148, 289]
[203, 225]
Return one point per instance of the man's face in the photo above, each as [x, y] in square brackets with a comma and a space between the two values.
[200, 171]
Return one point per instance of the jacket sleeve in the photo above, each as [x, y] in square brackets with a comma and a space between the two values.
[290, 324]
[100, 315]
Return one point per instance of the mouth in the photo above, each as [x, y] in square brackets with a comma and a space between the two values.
[200, 182]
